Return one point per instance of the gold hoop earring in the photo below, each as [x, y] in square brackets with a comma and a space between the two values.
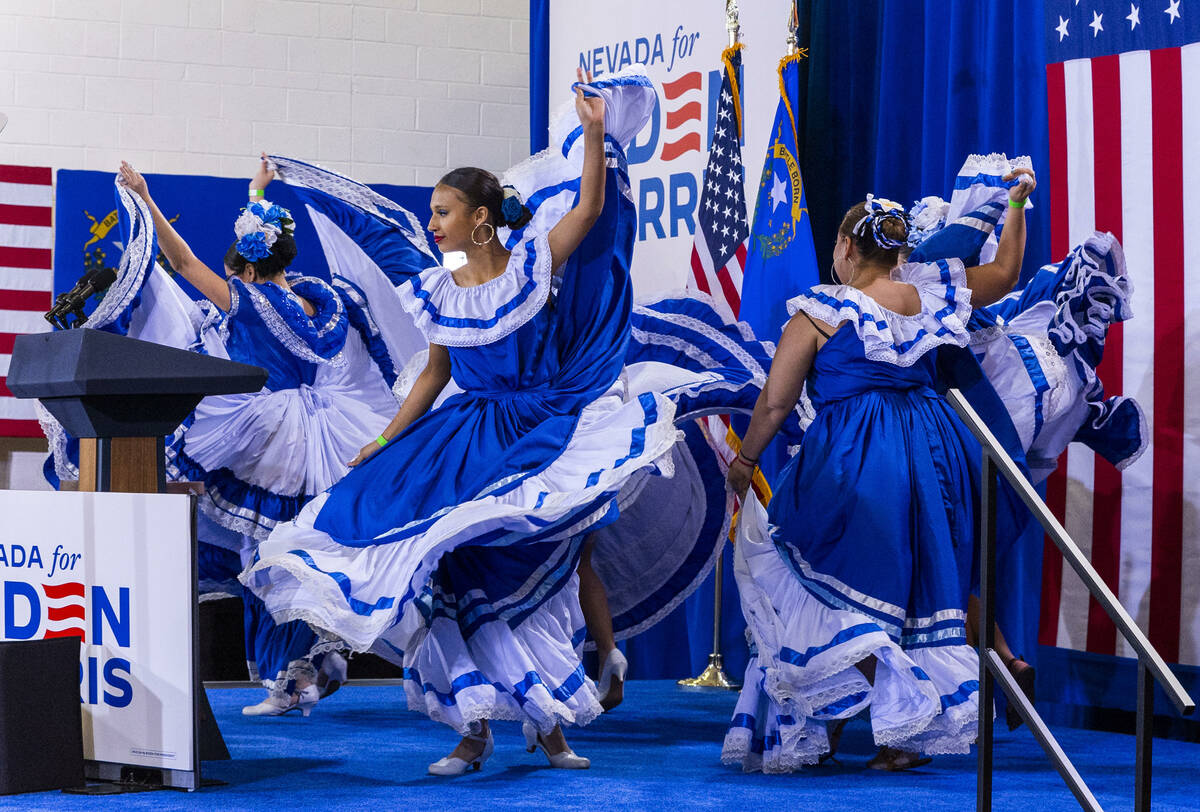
[491, 235]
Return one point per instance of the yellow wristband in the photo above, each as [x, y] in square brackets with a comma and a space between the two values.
[381, 440]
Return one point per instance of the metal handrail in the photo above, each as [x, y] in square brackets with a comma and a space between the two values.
[1150, 662]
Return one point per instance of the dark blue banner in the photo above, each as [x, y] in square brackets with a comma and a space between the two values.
[202, 209]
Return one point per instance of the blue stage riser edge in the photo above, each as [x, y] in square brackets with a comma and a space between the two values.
[1099, 692]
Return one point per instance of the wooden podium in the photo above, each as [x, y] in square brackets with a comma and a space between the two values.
[120, 397]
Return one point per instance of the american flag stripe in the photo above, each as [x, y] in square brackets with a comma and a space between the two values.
[1056, 484]
[24, 194]
[30, 175]
[11, 215]
[1106, 504]
[1189, 640]
[21, 279]
[1120, 125]
[1077, 167]
[1137, 335]
[26, 277]
[1167, 421]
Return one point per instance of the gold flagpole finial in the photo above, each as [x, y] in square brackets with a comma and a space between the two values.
[731, 22]
[793, 41]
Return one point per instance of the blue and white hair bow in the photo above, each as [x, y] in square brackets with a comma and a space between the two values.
[879, 211]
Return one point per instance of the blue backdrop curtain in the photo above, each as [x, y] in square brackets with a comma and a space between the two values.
[898, 93]
[894, 96]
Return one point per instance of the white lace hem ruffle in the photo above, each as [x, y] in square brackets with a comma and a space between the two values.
[923, 699]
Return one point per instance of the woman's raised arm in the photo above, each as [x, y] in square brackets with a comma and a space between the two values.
[211, 284]
[565, 237]
[992, 281]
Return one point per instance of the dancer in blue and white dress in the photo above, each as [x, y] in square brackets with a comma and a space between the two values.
[1040, 345]
[1031, 367]
[261, 456]
[854, 583]
[451, 547]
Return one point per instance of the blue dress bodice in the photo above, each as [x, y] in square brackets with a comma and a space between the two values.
[267, 327]
[841, 370]
[250, 342]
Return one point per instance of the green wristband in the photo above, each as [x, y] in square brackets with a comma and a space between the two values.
[1016, 204]
[257, 193]
[381, 440]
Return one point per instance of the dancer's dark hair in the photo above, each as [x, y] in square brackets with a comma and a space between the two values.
[480, 187]
[283, 253]
[893, 228]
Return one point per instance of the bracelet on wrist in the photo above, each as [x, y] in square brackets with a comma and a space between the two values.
[381, 440]
[746, 462]
[1016, 204]
[258, 193]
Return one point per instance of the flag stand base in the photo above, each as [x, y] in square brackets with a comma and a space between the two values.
[713, 676]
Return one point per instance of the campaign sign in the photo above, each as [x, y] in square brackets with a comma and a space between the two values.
[116, 570]
[680, 44]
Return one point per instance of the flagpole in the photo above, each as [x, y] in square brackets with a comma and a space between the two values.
[714, 676]
[731, 22]
[793, 39]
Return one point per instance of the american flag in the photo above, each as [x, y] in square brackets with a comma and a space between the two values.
[719, 249]
[26, 278]
[1123, 82]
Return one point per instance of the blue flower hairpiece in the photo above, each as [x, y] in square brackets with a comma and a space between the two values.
[513, 209]
[259, 226]
[253, 246]
[926, 217]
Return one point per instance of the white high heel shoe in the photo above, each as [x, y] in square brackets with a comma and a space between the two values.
[303, 701]
[452, 765]
[332, 674]
[612, 680]
[566, 760]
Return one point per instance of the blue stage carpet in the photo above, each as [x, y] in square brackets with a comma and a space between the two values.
[361, 750]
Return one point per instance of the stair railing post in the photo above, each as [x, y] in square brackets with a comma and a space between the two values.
[986, 634]
[1145, 737]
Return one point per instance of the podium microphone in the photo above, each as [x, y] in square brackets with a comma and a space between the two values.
[71, 302]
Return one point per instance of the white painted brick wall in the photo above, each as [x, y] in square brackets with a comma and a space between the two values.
[395, 91]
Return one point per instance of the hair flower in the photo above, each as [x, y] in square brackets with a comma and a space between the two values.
[512, 208]
[928, 212]
[259, 226]
[254, 246]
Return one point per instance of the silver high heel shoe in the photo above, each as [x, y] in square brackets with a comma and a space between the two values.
[304, 701]
[611, 687]
[452, 765]
[566, 760]
[332, 673]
